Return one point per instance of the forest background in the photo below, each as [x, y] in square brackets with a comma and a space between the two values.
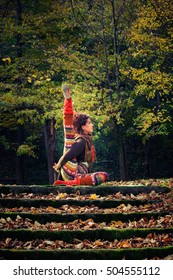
[117, 56]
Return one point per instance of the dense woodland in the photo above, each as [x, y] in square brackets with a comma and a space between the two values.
[117, 56]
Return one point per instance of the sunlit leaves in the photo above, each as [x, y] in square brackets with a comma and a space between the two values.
[151, 124]
[151, 49]
[29, 81]
[6, 59]
[26, 150]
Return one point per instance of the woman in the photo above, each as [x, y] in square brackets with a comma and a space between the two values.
[79, 152]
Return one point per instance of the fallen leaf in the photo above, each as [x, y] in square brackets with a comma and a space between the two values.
[79, 246]
[93, 196]
[8, 240]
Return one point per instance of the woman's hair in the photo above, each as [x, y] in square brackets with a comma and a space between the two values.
[79, 120]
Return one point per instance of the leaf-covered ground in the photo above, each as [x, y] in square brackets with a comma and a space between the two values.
[143, 182]
[89, 224]
[162, 202]
[153, 202]
[68, 209]
[152, 240]
[77, 196]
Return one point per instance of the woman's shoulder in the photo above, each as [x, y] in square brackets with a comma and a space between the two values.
[80, 138]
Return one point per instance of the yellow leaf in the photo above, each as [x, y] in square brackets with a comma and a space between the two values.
[93, 196]
[8, 59]
[29, 80]
[61, 195]
[122, 205]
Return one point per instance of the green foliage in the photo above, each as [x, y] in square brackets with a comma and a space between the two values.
[115, 55]
[151, 49]
[29, 92]
[5, 143]
[25, 150]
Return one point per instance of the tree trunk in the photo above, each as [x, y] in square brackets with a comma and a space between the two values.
[105, 53]
[19, 22]
[148, 168]
[19, 159]
[20, 129]
[49, 136]
[122, 157]
[122, 153]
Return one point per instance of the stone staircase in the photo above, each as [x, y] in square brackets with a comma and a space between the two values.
[83, 222]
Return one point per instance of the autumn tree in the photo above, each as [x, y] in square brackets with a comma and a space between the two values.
[116, 56]
[106, 24]
[151, 69]
[151, 46]
[30, 87]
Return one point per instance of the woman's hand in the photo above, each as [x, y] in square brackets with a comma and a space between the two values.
[66, 91]
[56, 166]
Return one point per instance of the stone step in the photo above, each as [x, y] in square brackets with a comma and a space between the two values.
[83, 190]
[13, 202]
[89, 254]
[91, 234]
[96, 217]
[69, 235]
